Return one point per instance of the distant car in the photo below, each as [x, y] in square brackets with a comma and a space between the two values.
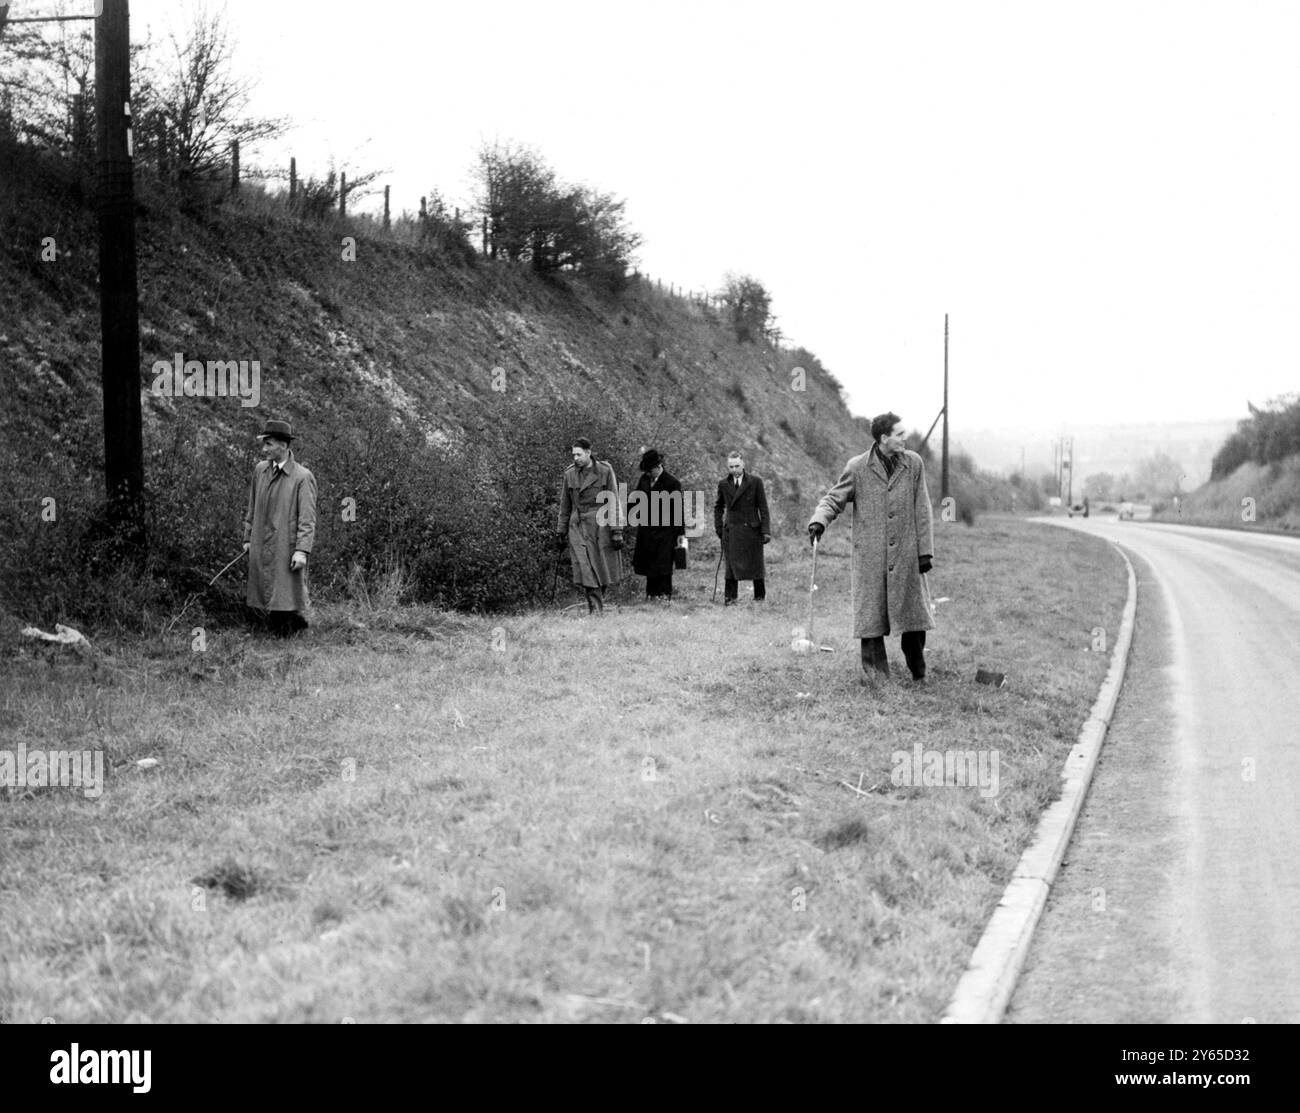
[1125, 511]
[1079, 508]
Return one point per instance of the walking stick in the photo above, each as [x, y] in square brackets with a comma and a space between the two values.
[803, 643]
[555, 579]
[812, 589]
[722, 549]
[196, 594]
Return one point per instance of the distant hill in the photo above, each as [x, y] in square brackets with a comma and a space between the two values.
[1117, 449]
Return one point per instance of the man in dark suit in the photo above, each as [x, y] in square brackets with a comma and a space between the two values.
[742, 521]
[655, 508]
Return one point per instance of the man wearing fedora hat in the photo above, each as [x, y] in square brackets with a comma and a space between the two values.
[279, 528]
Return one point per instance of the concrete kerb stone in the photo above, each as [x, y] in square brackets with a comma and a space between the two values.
[985, 989]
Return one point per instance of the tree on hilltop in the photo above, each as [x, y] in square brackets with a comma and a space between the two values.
[197, 106]
[532, 218]
[749, 306]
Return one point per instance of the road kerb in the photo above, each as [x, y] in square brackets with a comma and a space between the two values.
[984, 990]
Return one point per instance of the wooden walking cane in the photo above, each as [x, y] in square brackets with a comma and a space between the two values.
[171, 625]
[812, 588]
[721, 553]
[805, 644]
[555, 580]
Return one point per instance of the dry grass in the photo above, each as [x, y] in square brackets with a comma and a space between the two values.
[661, 814]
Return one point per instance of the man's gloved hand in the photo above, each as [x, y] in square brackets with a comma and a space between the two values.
[247, 546]
[926, 564]
[616, 540]
[299, 561]
[767, 537]
[815, 531]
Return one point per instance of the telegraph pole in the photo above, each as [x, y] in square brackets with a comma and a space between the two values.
[944, 480]
[118, 294]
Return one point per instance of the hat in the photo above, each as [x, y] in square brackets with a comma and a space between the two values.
[281, 429]
[651, 460]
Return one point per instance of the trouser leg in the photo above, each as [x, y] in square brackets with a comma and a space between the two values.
[914, 651]
[874, 656]
[731, 590]
[760, 591]
[594, 601]
[285, 623]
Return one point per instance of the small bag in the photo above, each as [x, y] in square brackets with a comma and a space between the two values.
[679, 554]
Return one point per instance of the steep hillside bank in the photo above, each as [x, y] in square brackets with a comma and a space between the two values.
[456, 383]
[1260, 496]
[389, 320]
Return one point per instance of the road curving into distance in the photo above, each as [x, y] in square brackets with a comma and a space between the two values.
[1179, 898]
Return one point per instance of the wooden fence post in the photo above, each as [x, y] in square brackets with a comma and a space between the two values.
[293, 182]
[234, 166]
[343, 195]
[388, 223]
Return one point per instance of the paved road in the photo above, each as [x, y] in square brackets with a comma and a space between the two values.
[1179, 900]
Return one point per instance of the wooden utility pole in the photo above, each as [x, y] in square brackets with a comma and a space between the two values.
[388, 222]
[118, 294]
[944, 480]
[343, 195]
[293, 181]
[234, 166]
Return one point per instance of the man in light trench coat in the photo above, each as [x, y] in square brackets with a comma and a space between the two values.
[893, 545]
[591, 524]
[279, 529]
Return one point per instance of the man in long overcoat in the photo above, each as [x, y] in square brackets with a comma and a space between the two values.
[591, 524]
[279, 529]
[656, 509]
[893, 545]
[741, 520]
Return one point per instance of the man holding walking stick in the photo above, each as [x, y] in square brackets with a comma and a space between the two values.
[893, 545]
[279, 529]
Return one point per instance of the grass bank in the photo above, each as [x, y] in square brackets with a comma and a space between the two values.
[413, 816]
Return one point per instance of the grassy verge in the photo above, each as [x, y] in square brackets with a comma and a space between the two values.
[664, 813]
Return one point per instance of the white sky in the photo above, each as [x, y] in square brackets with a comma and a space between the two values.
[1102, 195]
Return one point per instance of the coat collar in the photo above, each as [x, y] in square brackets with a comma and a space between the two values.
[877, 467]
[585, 477]
[288, 467]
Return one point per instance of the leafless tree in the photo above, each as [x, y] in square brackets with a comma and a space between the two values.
[198, 103]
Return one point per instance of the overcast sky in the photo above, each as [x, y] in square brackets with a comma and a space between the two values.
[1102, 195]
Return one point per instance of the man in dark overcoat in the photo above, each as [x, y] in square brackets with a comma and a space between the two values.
[279, 530]
[742, 521]
[893, 545]
[591, 524]
[655, 508]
